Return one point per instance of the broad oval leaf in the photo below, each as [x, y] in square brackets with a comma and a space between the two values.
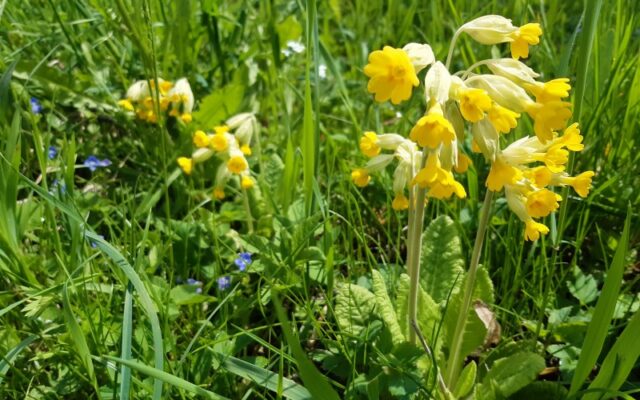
[354, 308]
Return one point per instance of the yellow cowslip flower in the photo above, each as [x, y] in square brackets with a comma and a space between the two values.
[220, 129]
[474, 147]
[126, 104]
[474, 103]
[218, 193]
[400, 202]
[433, 129]
[246, 182]
[392, 75]
[571, 139]
[369, 144]
[533, 230]
[526, 35]
[541, 203]
[186, 164]
[429, 173]
[549, 117]
[237, 163]
[219, 142]
[201, 139]
[152, 117]
[360, 177]
[540, 176]
[186, 118]
[165, 102]
[580, 183]
[489, 29]
[463, 163]
[245, 149]
[554, 90]
[555, 158]
[445, 186]
[502, 174]
[502, 118]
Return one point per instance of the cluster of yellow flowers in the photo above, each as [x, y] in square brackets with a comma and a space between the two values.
[492, 104]
[176, 99]
[231, 144]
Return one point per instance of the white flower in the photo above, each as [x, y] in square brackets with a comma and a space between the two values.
[421, 55]
[293, 46]
[513, 69]
[181, 92]
[437, 83]
[322, 71]
[502, 91]
[138, 91]
[244, 125]
[489, 29]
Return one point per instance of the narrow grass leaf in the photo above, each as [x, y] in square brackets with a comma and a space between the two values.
[599, 326]
[6, 361]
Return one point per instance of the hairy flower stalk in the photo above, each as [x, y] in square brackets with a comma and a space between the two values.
[491, 104]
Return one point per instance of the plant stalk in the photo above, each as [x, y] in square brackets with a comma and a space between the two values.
[455, 353]
[247, 209]
[414, 249]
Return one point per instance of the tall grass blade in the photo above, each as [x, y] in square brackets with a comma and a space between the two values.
[599, 326]
[6, 361]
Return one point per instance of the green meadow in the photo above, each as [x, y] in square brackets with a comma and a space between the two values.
[233, 235]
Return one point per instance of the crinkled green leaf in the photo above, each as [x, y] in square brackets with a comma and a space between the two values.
[509, 375]
[442, 264]
[428, 313]
[541, 390]
[385, 308]
[354, 308]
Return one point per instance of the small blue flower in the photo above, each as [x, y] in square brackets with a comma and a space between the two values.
[53, 152]
[92, 162]
[57, 186]
[224, 282]
[243, 260]
[94, 244]
[36, 108]
[199, 290]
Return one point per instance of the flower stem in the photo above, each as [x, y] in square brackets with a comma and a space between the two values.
[455, 352]
[247, 209]
[452, 45]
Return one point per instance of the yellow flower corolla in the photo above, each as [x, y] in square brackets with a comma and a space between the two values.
[553, 90]
[541, 203]
[445, 186]
[246, 182]
[218, 193]
[433, 129]
[392, 75]
[245, 149]
[474, 103]
[526, 35]
[126, 104]
[503, 119]
[555, 158]
[540, 176]
[219, 142]
[549, 117]
[369, 144]
[501, 174]
[400, 202]
[429, 173]
[580, 183]
[220, 129]
[201, 139]
[186, 118]
[237, 164]
[533, 230]
[360, 177]
[186, 164]
[463, 163]
[571, 139]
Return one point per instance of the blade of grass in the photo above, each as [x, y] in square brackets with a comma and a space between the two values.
[314, 381]
[265, 378]
[167, 378]
[6, 361]
[599, 326]
[309, 150]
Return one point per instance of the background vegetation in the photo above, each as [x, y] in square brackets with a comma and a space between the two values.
[93, 265]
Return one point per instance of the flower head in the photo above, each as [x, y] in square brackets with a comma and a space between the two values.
[243, 260]
[237, 163]
[474, 103]
[433, 129]
[93, 163]
[52, 152]
[524, 36]
[36, 107]
[360, 177]
[369, 144]
[186, 164]
[392, 74]
[223, 282]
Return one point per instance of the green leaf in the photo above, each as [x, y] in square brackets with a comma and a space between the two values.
[168, 378]
[429, 316]
[354, 308]
[186, 294]
[541, 390]
[385, 308]
[220, 104]
[619, 361]
[442, 264]
[603, 313]
[584, 287]
[509, 375]
[466, 381]
[475, 330]
[265, 378]
[315, 382]
[6, 360]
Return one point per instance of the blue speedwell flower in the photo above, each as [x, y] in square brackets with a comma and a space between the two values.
[194, 282]
[224, 282]
[53, 152]
[93, 163]
[36, 108]
[243, 260]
